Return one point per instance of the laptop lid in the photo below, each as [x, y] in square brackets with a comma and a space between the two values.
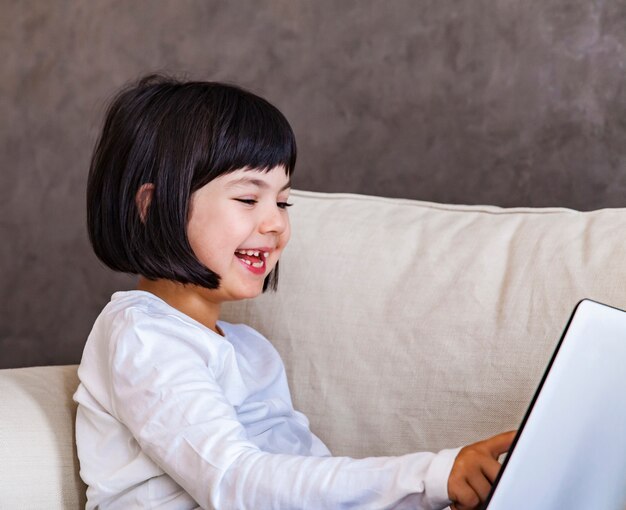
[570, 450]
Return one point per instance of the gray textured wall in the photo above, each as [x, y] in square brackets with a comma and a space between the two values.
[505, 102]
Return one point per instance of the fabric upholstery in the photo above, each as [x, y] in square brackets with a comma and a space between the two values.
[38, 467]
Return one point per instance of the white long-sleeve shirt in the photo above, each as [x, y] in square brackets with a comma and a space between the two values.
[172, 415]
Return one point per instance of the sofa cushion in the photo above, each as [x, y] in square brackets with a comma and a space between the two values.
[407, 325]
[38, 467]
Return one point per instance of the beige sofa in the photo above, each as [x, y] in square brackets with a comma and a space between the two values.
[404, 326]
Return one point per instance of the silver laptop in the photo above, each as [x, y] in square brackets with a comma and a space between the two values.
[570, 450]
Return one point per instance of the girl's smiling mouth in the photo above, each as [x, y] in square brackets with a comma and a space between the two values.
[254, 259]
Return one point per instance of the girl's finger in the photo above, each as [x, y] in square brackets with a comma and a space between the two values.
[499, 444]
[490, 469]
[464, 497]
[480, 485]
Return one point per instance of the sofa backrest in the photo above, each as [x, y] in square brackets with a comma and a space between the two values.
[407, 325]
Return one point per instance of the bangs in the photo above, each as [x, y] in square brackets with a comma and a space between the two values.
[253, 134]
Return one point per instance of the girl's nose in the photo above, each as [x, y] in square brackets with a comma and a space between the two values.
[274, 220]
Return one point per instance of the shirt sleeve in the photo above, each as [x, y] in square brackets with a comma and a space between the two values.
[170, 398]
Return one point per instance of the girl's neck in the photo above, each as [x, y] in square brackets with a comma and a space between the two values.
[188, 299]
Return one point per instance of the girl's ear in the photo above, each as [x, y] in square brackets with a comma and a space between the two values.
[143, 199]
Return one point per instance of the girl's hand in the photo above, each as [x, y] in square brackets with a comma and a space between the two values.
[475, 469]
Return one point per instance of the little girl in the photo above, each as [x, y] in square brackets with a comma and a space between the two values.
[188, 188]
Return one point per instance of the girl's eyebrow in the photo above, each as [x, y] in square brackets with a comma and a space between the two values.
[259, 183]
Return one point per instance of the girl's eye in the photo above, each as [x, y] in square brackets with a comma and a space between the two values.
[251, 201]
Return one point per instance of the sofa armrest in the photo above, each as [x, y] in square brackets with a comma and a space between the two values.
[39, 467]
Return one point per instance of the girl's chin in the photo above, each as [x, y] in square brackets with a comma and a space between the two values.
[235, 292]
[248, 292]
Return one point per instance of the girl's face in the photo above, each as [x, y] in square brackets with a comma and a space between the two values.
[238, 227]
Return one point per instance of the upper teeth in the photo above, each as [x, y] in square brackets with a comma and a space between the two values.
[254, 253]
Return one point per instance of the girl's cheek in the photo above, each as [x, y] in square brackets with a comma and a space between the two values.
[287, 232]
[284, 238]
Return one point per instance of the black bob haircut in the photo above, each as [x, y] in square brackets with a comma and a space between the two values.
[178, 136]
